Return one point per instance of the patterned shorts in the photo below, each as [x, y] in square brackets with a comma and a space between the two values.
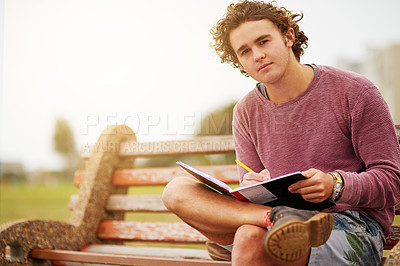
[356, 239]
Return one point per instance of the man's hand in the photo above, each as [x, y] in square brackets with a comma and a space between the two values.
[316, 188]
[253, 178]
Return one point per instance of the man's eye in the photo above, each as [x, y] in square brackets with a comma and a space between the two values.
[245, 51]
[263, 41]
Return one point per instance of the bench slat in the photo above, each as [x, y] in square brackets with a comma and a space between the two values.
[393, 238]
[198, 145]
[129, 203]
[162, 175]
[149, 231]
[87, 257]
[168, 252]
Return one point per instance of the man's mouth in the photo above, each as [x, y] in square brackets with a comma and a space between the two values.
[263, 66]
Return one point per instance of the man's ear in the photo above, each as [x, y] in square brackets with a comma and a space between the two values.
[290, 38]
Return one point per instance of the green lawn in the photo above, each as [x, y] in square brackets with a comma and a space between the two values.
[22, 201]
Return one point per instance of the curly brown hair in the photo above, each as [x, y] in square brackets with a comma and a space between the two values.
[246, 10]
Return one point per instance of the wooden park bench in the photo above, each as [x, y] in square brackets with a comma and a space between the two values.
[98, 232]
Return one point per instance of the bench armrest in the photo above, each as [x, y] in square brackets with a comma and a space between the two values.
[20, 237]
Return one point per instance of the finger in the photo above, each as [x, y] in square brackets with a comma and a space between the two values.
[310, 172]
[311, 192]
[266, 174]
[301, 186]
[313, 197]
[306, 190]
[252, 176]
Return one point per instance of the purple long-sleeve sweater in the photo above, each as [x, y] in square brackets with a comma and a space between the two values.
[340, 123]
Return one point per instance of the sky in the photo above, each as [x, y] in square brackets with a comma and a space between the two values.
[146, 64]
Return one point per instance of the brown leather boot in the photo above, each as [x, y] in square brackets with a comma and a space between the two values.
[216, 252]
[295, 231]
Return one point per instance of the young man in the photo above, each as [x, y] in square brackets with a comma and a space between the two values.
[332, 124]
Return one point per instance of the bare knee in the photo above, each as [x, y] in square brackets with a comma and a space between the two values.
[248, 248]
[176, 193]
[248, 244]
[247, 234]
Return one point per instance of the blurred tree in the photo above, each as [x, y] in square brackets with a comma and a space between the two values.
[12, 172]
[64, 143]
[218, 122]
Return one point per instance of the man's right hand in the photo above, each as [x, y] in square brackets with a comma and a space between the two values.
[251, 178]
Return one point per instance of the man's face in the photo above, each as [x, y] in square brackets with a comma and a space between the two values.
[261, 49]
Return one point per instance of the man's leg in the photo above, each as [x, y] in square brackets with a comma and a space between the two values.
[223, 219]
[248, 249]
[295, 231]
[215, 215]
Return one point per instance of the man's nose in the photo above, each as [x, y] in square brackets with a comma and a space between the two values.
[258, 54]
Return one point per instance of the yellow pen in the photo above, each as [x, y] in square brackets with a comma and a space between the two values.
[243, 165]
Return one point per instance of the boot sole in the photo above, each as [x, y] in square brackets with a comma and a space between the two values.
[292, 240]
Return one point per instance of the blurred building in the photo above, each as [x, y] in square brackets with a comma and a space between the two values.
[382, 67]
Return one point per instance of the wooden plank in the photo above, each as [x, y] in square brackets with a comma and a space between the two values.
[87, 257]
[162, 175]
[165, 252]
[177, 232]
[198, 145]
[149, 231]
[129, 203]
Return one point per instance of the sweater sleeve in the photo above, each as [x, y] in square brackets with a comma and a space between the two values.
[375, 143]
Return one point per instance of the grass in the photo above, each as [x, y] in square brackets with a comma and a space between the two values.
[23, 201]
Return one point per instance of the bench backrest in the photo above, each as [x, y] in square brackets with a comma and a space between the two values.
[110, 165]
